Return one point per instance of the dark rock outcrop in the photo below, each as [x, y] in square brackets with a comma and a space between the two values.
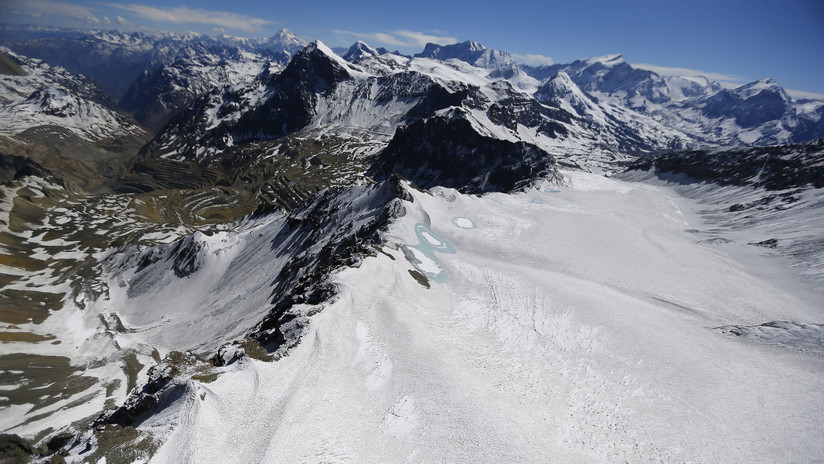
[449, 151]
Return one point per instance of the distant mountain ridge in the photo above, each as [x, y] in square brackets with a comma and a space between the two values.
[116, 59]
[617, 110]
[470, 51]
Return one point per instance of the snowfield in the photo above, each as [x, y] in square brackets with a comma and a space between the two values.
[580, 324]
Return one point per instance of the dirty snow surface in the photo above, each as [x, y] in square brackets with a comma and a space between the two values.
[581, 327]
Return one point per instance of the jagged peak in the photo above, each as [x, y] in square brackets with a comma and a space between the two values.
[359, 50]
[473, 46]
[559, 84]
[285, 33]
[362, 46]
[319, 48]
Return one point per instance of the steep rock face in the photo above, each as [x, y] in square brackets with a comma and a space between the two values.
[317, 91]
[449, 151]
[291, 104]
[512, 108]
[339, 228]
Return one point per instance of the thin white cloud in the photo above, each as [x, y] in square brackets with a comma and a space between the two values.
[50, 7]
[399, 38]
[800, 94]
[182, 14]
[26, 13]
[420, 39]
[686, 72]
[532, 59]
[118, 20]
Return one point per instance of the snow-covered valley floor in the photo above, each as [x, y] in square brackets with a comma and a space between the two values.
[569, 325]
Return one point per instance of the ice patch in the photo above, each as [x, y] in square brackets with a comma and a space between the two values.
[463, 223]
[430, 239]
[422, 255]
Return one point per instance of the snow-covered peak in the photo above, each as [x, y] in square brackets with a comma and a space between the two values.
[286, 36]
[359, 50]
[558, 86]
[287, 40]
[763, 85]
[560, 90]
[474, 46]
[471, 52]
[321, 48]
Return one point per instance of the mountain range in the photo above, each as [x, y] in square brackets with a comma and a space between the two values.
[219, 248]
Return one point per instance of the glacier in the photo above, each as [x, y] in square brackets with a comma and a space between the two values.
[579, 329]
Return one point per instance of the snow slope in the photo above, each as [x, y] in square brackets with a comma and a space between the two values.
[571, 325]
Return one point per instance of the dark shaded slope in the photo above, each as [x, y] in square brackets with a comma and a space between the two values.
[448, 151]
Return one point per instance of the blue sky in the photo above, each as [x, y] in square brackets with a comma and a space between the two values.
[733, 41]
